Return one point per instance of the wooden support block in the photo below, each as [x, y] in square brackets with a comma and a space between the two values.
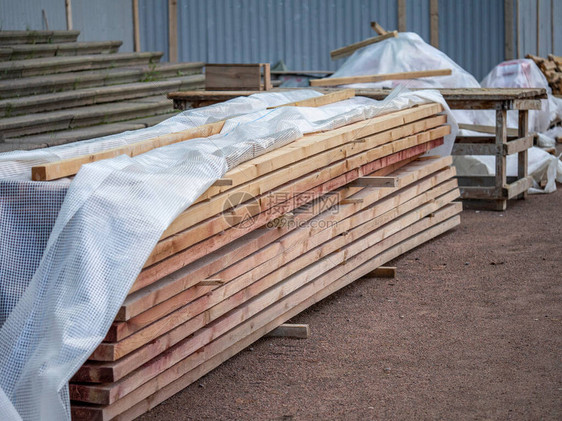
[210, 283]
[287, 330]
[232, 77]
[350, 49]
[223, 182]
[382, 272]
[368, 181]
[334, 81]
[378, 28]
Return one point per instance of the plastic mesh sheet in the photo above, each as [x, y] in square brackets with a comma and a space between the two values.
[96, 232]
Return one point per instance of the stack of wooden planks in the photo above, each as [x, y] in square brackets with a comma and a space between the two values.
[274, 236]
[552, 70]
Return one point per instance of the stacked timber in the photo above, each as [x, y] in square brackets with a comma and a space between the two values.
[277, 234]
[55, 90]
[552, 70]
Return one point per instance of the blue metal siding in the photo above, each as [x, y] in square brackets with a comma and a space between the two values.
[103, 20]
[153, 22]
[417, 18]
[26, 14]
[472, 33]
[301, 32]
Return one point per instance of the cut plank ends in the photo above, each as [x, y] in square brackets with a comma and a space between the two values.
[328, 210]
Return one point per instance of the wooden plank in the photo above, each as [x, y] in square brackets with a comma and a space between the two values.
[406, 122]
[266, 291]
[253, 242]
[330, 162]
[382, 272]
[378, 78]
[109, 352]
[71, 166]
[370, 181]
[350, 49]
[474, 149]
[207, 245]
[485, 129]
[520, 186]
[519, 145]
[322, 100]
[136, 26]
[402, 15]
[247, 338]
[235, 76]
[286, 330]
[378, 28]
[509, 46]
[173, 31]
[418, 190]
[68, 12]
[501, 139]
[477, 192]
[522, 156]
[434, 23]
[354, 267]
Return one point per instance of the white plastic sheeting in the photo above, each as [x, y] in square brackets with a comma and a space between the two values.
[405, 53]
[106, 223]
[408, 52]
[522, 73]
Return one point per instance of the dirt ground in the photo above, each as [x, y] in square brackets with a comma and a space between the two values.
[471, 328]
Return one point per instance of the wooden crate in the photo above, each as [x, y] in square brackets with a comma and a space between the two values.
[231, 77]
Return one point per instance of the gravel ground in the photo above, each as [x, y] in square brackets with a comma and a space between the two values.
[471, 328]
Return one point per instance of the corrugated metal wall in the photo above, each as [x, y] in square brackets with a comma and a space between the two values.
[26, 14]
[99, 20]
[472, 33]
[301, 32]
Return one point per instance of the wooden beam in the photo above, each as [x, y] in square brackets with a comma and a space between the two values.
[136, 26]
[402, 15]
[322, 100]
[509, 47]
[71, 166]
[434, 23]
[485, 129]
[382, 272]
[378, 28]
[68, 10]
[380, 77]
[141, 301]
[417, 191]
[173, 31]
[369, 181]
[286, 330]
[350, 49]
